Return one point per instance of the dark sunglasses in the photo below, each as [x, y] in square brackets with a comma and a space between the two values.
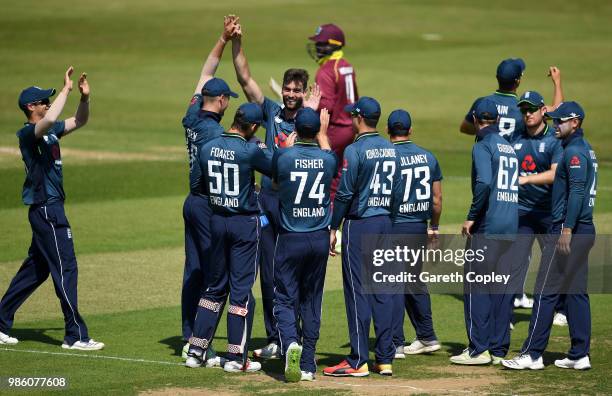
[559, 121]
[44, 102]
[529, 110]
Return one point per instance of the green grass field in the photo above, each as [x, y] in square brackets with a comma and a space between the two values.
[126, 172]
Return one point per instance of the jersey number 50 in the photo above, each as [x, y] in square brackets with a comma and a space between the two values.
[221, 181]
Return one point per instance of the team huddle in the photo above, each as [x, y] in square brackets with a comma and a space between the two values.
[325, 167]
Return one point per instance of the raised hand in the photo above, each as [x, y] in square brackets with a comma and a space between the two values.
[313, 97]
[555, 74]
[231, 27]
[322, 138]
[83, 85]
[67, 80]
[290, 141]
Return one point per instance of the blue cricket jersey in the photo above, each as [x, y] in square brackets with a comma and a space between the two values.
[494, 208]
[418, 169]
[43, 164]
[575, 183]
[200, 127]
[510, 117]
[278, 128]
[304, 174]
[536, 154]
[369, 176]
[227, 164]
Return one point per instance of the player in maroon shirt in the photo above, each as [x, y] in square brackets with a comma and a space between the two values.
[336, 80]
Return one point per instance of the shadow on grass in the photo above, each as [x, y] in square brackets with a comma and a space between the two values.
[454, 348]
[175, 343]
[37, 335]
[550, 357]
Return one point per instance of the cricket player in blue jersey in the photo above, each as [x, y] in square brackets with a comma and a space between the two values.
[304, 174]
[538, 152]
[509, 74]
[201, 124]
[52, 247]
[420, 200]
[228, 164]
[573, 236]
[491, 226]
[279, 123]
[364, 198]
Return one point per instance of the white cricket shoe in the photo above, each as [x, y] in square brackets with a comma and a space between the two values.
[421, 346]
[399, 353]
[5, 339]
[194, 359]
[560, 319]
[579, 364]
[233, 366]
[270, 351]
[90, 345]
[466, 359]
[307, 376]
[523, 302]
[522, 362]
[292, 363]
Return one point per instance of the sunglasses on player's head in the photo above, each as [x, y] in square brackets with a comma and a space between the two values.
[529, 109]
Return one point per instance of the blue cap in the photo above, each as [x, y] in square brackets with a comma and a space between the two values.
[399, 119]
[307, 120]
[217, 87]
[567, 111]
[34, 94]
[533, 98]
[366, 107]
[251, 112]
[510, 69]
[486, 109]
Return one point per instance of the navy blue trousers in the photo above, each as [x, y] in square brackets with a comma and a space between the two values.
[563, 276]
[196, 214]
[417, 305]
[531, 224]
[268, 201]
[299, 274]
[51, 252]
[231, 270]
[487, 308]
[361, 307]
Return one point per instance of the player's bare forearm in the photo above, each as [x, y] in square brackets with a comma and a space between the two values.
[555, 75]
[467, 128]
[437, 203]
[53, 113]
[80, 118]
[243, 73]
[210, 65]
[544, 178]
